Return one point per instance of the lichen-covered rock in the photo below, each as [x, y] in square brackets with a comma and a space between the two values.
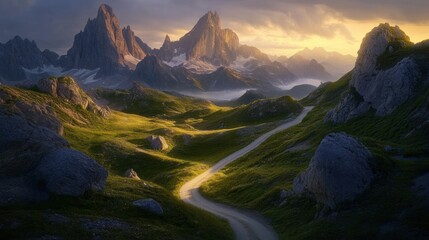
[69, 172]
[149, 205]
[339, 171]
[158, 142]
[68, 89]
[372, 87]
[130, 173]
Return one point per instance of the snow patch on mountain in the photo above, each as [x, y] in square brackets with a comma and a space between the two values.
[84, 76]
[243, 64]
[177, 60]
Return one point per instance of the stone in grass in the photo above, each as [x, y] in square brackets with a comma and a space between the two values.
[130, 173]
[149, 205]
[158, 142]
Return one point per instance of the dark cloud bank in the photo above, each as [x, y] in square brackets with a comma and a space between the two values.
[53, 23]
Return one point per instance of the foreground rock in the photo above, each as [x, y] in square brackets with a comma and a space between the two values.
[130, 173]
[39, 114]
[339, 171]
[421, 186]
[376, 85]
[36, 162]
[158, 142]
[149, 205]
[69, 172]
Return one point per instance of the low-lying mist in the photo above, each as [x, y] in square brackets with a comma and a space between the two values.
[301, 81]
[225, 95]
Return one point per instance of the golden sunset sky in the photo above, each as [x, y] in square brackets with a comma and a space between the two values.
[277, 27]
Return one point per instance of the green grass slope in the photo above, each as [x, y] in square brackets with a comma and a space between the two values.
[255, 181]
[118, 144]
[150, 102]
[259, 111]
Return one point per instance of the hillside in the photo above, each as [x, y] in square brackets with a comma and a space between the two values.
[150, 102]
[399, 157]
[97, 212]
[259, 111]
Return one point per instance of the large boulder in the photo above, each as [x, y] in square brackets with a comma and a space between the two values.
[149, 205]
[68, 172]
[421, 186]
[35, 162]
[375, 85]
[158, 142]
[339, 171]
[23, 144]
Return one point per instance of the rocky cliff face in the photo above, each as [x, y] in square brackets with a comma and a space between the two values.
[133, 45]
[206, 42]
[375, 86]
[103, 44]
[19, 53]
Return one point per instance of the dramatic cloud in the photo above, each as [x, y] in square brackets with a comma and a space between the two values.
[272, 25]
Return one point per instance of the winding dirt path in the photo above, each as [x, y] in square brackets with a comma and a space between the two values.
[246, 226]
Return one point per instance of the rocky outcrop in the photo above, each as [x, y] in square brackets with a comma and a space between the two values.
[36, 162]
[39, 114]
[207, 41]
[158, 142]
[17, 54]
[372, 86]
[133, 46]
[103, 44]
[130, 173]
[149, 205]
[69, 172]
[67, 89]
[339, 171]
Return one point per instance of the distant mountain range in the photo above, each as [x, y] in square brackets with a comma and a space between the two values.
[335, 63]
[207, 58]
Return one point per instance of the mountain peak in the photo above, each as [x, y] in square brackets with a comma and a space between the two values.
[167, 40]
[104, 44]
[379, 40]
[210, 19]
[105, 11]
